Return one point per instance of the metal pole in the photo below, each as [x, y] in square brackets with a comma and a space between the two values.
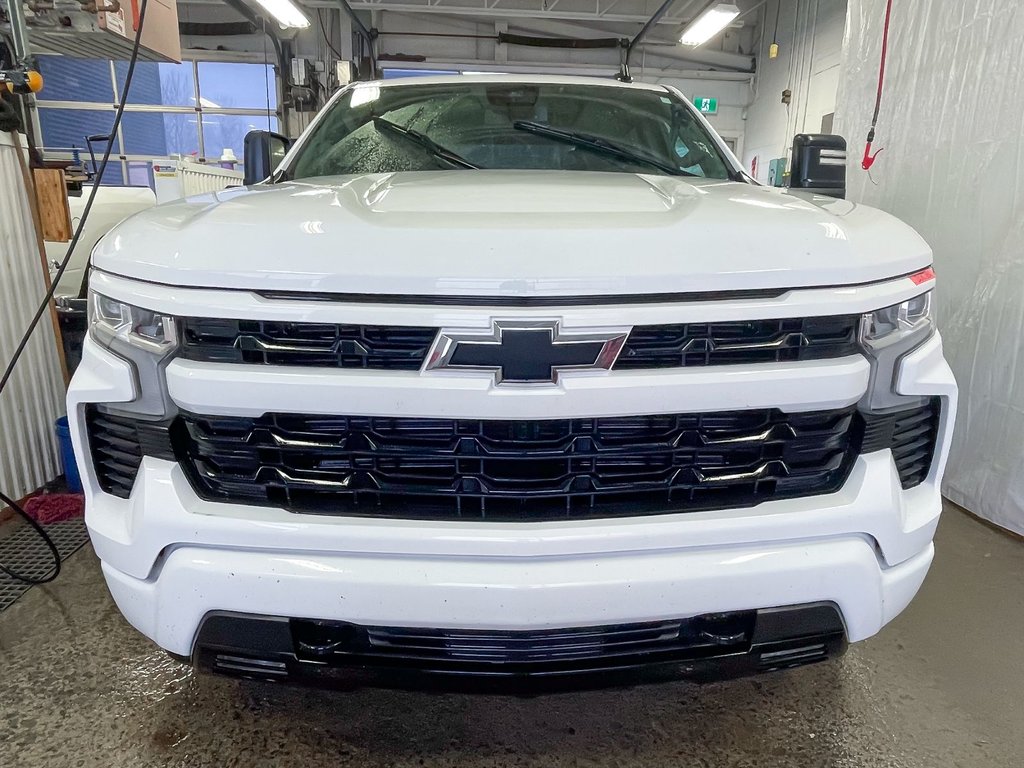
[19, 32]
[658, 14]
[368, 35]
[662, 10]
[22, 59]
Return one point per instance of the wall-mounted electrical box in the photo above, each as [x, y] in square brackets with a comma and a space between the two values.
[777, 172]
[301, 71]
[343, 73]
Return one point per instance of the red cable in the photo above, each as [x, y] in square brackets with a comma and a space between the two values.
[869, 158]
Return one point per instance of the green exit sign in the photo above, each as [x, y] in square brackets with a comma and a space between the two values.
[706, 104]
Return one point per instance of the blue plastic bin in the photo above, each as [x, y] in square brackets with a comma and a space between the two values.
[67, 455]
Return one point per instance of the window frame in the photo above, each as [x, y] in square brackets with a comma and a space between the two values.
[193, 59]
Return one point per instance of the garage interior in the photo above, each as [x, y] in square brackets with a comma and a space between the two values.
[940, 686]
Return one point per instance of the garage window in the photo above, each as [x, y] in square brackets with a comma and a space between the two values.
[192, 108]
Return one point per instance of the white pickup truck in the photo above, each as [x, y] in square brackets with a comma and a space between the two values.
[111, 205]
[511, 381]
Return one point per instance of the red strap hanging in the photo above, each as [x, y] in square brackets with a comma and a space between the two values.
[869, 159]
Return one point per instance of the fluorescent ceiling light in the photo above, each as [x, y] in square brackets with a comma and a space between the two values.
[708, 24]
[286, 12]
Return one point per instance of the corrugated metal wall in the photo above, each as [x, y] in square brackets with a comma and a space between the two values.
[34, 398]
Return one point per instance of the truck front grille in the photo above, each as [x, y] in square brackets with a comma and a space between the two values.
[756, 341]
[517, 470]
[395, 347]
[513, 470]
[265, 342]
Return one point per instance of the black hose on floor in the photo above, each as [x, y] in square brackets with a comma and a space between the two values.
[55, 572]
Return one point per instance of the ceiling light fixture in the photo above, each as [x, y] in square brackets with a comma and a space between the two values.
[286, 13]
[708, 24]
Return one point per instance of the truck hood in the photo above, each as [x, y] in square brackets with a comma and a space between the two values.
[510, 233]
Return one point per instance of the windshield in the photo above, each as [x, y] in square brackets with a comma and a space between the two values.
[464, 126]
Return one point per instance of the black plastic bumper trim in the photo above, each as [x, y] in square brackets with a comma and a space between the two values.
[265, 648]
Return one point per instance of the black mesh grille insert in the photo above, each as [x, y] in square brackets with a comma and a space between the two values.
[118, 443]
[264, 342]
[507, 652]
[440, 468]
[732, 343]
[910, 433]
[518, 470]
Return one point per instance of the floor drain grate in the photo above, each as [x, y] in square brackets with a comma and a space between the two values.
[24, 552]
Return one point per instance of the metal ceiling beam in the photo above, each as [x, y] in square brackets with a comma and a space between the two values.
[557, 19]
[488, 9]
[583, 9]
[600, 10]
[487, 65]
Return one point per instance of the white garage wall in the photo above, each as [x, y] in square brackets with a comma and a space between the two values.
[953, 167]
[810, 41]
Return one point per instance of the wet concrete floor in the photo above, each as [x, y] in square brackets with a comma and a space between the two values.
[941, 686]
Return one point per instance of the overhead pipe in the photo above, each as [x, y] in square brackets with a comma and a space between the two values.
[660, 47]
[217, 28]
[508, 38]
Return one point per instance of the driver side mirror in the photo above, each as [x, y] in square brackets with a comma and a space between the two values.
[263, 151]
[819, 164]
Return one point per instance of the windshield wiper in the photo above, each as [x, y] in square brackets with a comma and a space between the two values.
[426, 142]
[598, 144]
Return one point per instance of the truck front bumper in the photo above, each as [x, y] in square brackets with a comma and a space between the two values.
[171, 559]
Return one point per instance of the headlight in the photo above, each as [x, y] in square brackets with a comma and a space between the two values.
[115, 323]
[897, 321]
[144, 338]
[886, 335]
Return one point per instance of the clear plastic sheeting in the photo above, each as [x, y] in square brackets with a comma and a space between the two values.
[951, 131]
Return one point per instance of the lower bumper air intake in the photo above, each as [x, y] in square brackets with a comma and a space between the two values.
[340, 654]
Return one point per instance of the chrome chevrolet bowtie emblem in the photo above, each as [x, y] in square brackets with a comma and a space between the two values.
[525, 352]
